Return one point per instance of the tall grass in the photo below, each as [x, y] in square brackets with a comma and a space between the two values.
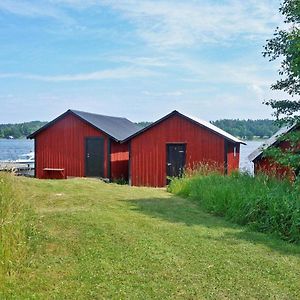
[17, 226]
[264, 203]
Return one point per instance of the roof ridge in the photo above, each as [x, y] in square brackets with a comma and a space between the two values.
[96, 114]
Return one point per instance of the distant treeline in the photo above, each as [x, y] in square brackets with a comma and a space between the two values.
[143, 124]
[248, 129]
[19, 130]
[245, 129]
[22, 130]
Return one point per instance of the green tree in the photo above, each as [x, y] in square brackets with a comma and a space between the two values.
[247, 129]
[285, 46]
[19, 130]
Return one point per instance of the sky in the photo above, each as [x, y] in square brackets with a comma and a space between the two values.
[136, 58]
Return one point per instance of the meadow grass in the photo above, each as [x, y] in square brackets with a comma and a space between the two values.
[265, 203]
[17, 226]
[107, 241]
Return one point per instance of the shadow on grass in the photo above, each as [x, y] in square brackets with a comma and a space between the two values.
[178, 210]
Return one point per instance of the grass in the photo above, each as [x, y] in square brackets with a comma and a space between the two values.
[17, 226]
[265, 203]
[117, 242]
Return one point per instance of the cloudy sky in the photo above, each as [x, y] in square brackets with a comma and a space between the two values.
[136, 58]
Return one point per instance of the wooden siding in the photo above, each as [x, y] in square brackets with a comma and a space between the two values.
[271, 168]
[62, 145]
[148, 150]
[119, 160]
[233, 157]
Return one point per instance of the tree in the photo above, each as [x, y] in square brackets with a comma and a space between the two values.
[285, 46]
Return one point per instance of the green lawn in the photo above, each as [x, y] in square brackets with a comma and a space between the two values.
[109, 241]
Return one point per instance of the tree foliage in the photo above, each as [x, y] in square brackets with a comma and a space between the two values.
[285, 46]
[143, 124]
[247, 129]
[19, 130]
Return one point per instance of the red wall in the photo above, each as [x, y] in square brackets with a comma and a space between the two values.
[269, 167]
[233, 157]
[62, 145]
[119, 160]
[148, 150]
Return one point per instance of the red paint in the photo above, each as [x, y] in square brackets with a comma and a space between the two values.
[119, 160]
[62, 145]
[270, 167]
[233, 157]
[148, 150]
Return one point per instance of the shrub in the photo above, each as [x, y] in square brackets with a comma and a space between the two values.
[264, 203]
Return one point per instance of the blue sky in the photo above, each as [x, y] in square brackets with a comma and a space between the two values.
[138, 59]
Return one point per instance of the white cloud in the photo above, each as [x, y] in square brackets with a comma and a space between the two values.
[239, 83]
[142, 61]
[168, 24]
[34, 9]
[120, 73]
[178, 23]
[246, 73]
[163, 94]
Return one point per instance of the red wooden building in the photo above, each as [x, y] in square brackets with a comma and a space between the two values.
[83, 144]
[267, 165]
[175, 142]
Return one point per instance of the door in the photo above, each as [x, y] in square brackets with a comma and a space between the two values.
[175, 160]
[94, 157]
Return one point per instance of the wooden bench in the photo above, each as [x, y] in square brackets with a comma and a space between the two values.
[54, 173]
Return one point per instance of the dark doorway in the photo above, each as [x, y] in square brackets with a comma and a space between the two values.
[94, 157]
[175, 160]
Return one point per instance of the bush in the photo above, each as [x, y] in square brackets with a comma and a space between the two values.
[17, 225]
[264, 203]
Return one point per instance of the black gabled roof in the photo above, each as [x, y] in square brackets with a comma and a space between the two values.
[117, 128]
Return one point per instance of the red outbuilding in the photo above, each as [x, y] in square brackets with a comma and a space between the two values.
[84, 144]
[267, 165]
[176, 141]
[80, 144]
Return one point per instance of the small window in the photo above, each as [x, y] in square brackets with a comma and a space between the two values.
[234, 151]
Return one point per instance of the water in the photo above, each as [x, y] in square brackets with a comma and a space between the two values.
[12, 149]
[245, 164]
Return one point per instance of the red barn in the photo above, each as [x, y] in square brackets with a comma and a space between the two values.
[176, 141]
[84, 144]
[267, 165]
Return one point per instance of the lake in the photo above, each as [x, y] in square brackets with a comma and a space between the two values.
[12, 149]
[245, 164]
